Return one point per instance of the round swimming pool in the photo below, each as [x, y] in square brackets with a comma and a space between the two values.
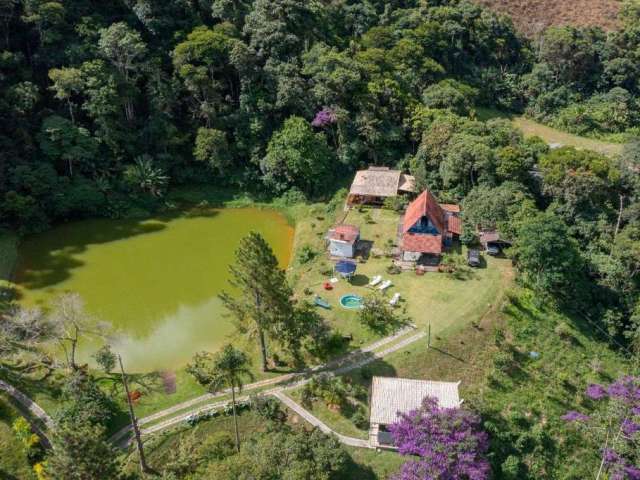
[351, 301]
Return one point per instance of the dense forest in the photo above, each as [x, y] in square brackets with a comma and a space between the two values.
[107, 106]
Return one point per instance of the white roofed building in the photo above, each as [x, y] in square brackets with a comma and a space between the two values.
[392, 396]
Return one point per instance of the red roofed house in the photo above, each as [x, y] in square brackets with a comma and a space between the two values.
[343, 240]
[428, 227]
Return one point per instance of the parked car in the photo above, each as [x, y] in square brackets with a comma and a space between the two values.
[493, 249]
[473, 258]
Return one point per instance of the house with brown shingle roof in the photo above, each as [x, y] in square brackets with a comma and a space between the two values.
[374, 185]
[428, 227]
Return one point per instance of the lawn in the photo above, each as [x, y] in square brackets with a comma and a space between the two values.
[444, 301]
[531, 128]
[13, 459]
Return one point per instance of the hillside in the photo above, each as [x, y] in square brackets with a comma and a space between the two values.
[533, 16]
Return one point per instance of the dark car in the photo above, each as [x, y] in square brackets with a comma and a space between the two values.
[493, 249]
[473, 258]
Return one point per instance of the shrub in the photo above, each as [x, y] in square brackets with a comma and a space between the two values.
[396, 204]
[359, 418]
[563, 331]
[394, 270]
[503, 361]
[307, 253]
[291, 197]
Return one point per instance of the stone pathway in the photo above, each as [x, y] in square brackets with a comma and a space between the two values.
[352, 361]
[315, 421]
[33, 410]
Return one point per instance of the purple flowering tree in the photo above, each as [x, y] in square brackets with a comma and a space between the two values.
[326, 116]
[615, 426]
[449, 444]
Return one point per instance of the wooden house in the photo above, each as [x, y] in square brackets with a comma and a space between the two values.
[376, 184]
[393, 396]
[428, 227]
[343, 240]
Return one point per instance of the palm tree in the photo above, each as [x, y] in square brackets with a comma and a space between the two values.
[144, 175]
[227, 368]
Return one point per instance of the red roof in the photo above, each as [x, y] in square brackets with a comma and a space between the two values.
[413, 242]
[424, 205]
[450, 207]
[345, 233]
[454, 225]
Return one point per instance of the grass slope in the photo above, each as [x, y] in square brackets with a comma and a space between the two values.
[531, 17]
[520, 399]
[531, 128]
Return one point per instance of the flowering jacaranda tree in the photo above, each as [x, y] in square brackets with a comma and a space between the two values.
[326, 116]
[448, 442]
[615, 426]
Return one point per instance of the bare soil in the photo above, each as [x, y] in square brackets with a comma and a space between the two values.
[532, 17]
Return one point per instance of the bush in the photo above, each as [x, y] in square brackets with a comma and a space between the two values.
[269, 409]
[291, 197]
[503, 361]
[359, 418]
[563, 331]
[396, 204]
[394, 270]
[307, 254]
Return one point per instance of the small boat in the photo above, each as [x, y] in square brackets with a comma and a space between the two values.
[375, 280]
[386, 284]
[321, 302]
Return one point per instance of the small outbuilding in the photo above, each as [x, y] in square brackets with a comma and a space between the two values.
[393, 396]
[492, 241]
[343, 240]
[374, 185]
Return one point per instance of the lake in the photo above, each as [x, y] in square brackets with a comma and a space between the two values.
[155, 281]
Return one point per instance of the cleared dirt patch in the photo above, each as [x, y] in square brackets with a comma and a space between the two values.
[533, 16]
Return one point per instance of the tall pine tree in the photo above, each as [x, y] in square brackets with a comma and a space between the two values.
[263, 301]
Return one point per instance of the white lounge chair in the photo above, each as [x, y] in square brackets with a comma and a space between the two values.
[394, 301]
[386, 284]
[375, 280]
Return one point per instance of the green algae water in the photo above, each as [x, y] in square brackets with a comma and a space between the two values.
[155, 281]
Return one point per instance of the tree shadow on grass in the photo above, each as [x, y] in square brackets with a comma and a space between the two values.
[354, 471]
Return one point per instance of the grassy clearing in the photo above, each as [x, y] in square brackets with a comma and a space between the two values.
[13, 458]
[442, 300]
[531, 128]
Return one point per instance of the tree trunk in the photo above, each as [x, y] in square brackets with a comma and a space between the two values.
[134, 422]
[263, 349]
[74, 342]
[235, 417]
[619, 217]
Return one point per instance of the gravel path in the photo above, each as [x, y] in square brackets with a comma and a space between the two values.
[285, 382]
[32, 408]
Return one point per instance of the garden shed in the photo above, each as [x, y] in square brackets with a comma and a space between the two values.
[392, 396]
[343, 240]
